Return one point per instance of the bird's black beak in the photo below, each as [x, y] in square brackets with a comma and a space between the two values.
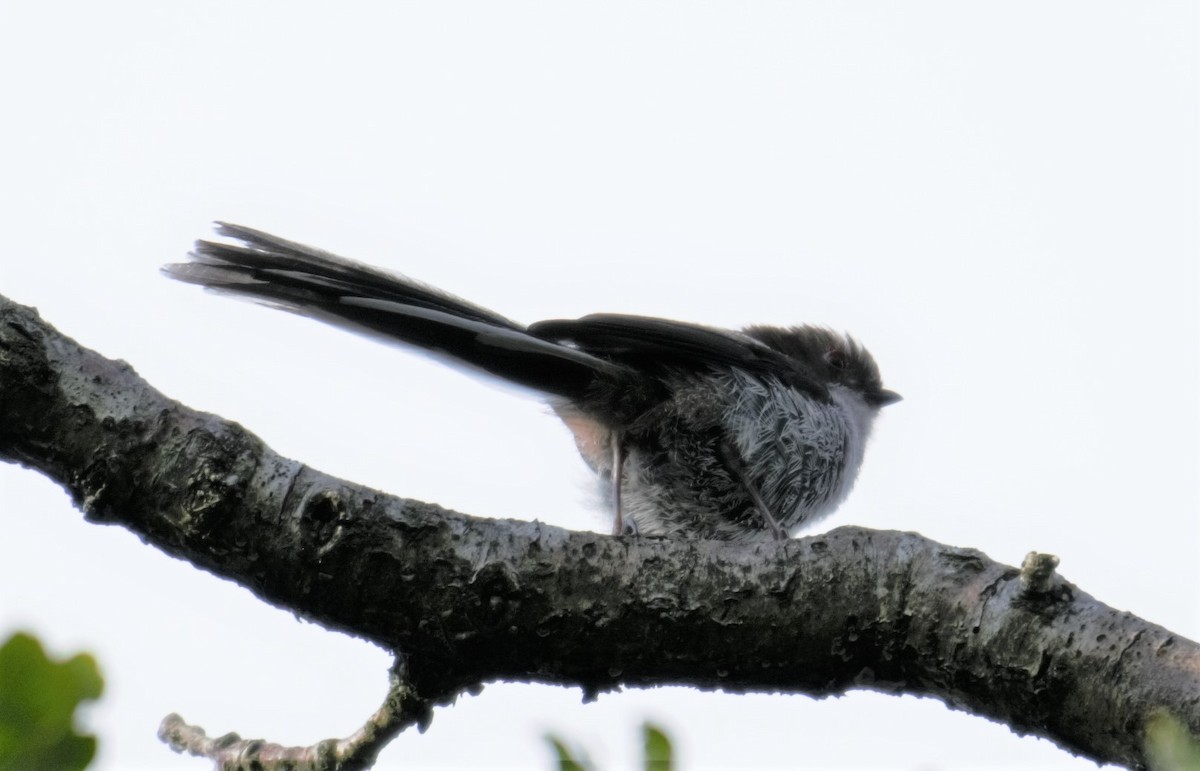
[884, 397]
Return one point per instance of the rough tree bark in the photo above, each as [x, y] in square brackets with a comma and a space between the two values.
[470, 600]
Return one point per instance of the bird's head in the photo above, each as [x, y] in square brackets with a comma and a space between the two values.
[829, 357]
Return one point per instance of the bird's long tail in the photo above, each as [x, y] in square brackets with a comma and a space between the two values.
[387, 306]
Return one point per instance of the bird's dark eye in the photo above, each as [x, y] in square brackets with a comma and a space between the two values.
[837, 359]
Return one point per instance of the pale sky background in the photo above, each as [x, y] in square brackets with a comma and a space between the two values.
[1000, 200]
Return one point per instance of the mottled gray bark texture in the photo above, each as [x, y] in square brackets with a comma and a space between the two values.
[471, 600]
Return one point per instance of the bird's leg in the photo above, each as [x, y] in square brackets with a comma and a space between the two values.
[618, 460]
[618, 463]
[733, 462]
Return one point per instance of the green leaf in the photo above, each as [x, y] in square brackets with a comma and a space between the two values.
[1170, 746]
[38, 698]
[566, 760]
[658, 748]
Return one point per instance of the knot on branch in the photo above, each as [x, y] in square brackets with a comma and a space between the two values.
[1042, 590]
[322, 514]
[1037, 574]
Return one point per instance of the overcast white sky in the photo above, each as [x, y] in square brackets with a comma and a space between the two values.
[1000, 200]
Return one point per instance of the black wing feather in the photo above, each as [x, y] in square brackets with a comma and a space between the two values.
[645, 341]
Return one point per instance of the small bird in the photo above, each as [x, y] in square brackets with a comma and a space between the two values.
[693, 431]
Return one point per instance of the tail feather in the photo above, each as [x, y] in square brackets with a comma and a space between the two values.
[290, 263]
[390, 307]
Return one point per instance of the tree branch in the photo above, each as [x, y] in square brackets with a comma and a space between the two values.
[470, 600]
[402, 707]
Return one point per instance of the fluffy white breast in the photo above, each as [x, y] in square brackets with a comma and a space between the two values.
[802, 453]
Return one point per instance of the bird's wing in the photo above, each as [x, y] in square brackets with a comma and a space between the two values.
[647, 342]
